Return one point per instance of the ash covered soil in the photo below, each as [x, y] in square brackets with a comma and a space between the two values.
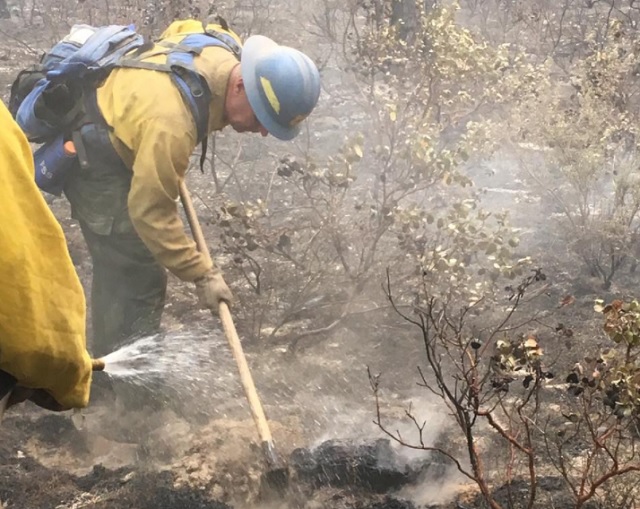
[111, 457]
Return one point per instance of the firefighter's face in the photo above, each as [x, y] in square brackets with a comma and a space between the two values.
[238, 111]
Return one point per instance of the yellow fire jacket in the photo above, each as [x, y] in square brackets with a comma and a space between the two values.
[42, 305]
[154, 132]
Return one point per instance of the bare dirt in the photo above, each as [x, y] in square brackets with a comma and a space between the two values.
[45, 462]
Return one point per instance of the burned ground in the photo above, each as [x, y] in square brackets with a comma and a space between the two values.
[350, 476]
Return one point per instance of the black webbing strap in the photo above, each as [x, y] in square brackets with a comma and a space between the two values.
[7, 383]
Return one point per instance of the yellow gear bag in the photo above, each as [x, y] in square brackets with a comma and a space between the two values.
[42, 304]
[192, 26]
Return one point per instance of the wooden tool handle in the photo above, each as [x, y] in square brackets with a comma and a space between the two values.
[245, 374]
[229, 328]
[194, 224]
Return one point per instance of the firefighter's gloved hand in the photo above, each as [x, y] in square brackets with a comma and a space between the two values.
[212, 289]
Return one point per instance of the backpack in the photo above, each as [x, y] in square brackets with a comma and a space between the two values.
[48, 100]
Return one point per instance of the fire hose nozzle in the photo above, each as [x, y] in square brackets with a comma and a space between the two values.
[97, 365]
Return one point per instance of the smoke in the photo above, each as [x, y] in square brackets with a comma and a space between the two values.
[435, 490]
[441, 482]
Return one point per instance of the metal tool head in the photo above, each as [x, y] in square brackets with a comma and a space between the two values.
[274, 481]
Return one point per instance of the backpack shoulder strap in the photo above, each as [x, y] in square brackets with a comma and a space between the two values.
[199, 103]
[192, 86]
[227, 40]
[181, 62]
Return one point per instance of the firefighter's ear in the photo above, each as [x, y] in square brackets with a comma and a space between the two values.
[236, 83]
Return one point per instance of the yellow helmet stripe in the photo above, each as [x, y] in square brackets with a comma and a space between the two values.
[271, 95]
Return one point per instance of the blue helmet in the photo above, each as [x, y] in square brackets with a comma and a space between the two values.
[282, 84]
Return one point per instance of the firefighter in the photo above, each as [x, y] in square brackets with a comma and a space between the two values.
[127, 200]
[43, 355]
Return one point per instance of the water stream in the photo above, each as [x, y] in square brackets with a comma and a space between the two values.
[183, 360]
